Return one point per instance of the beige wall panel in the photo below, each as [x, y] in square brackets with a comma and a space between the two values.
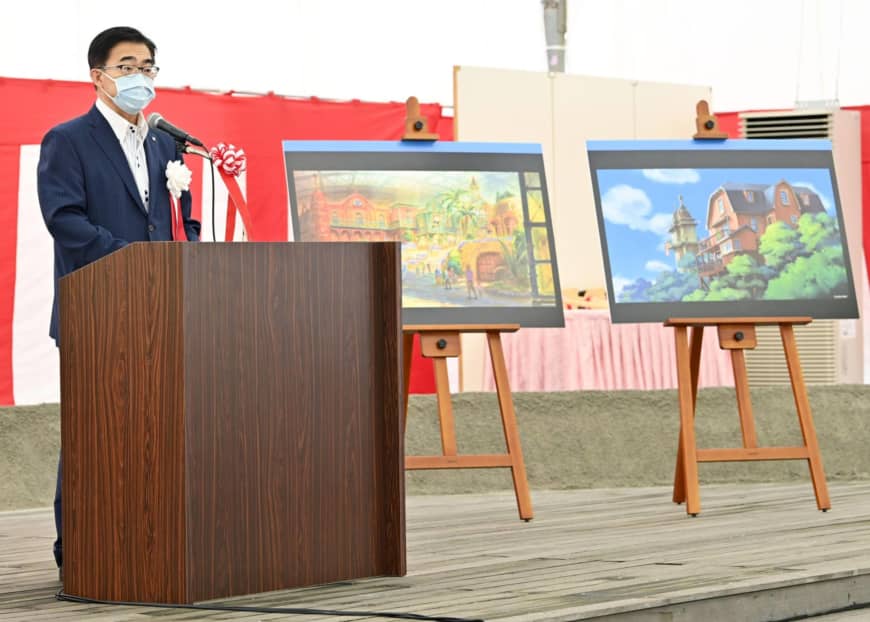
[583, 109]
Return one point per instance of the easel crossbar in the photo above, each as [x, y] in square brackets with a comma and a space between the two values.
[755, 453]
[479, 461]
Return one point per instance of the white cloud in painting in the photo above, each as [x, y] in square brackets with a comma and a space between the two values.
[827, 203]
[654, 265]
[672, 175]
[619, 282]
[630, 206]
[660, 223]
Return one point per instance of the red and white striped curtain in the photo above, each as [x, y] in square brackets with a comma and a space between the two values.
[28, 108]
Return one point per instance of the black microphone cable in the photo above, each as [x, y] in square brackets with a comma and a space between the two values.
[61, 595]
[205, 155]
[211, 170]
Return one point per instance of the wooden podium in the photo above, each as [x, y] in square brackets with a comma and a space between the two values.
[231, 419]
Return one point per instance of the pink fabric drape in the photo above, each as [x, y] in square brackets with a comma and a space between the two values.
[593, 354]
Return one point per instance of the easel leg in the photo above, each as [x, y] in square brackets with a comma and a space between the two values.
[808, 430]
[509, 424]
[695, 366]
[744, 402]
[407, 357]
[445, 408]
[687, 421]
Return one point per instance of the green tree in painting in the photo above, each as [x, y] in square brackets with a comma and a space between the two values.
[452, 202]
[780, 245]
[721, 291]
[819, 275]
[636, 291]
[671, 286]
[467, 214]
[744, 273]
[696, 296]
[516, 257]
[727, 293]
[818, 231]
[744, 279]
[454, 261]
[688, 263]
[817, 269]
[676, 284]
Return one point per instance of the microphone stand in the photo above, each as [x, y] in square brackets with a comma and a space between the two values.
[183, 147]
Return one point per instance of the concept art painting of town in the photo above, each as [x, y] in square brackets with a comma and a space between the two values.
[722, 234]
[468, 238]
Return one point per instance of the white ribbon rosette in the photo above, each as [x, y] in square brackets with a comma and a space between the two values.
[178, 178]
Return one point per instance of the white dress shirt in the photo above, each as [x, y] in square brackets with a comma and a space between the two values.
[132, 139]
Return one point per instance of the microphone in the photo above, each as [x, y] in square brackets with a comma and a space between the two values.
[157, 122]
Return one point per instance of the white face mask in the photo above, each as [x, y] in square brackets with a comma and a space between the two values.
[134, 92]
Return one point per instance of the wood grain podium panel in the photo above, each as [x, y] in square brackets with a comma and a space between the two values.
[231, 419]
[123, 426]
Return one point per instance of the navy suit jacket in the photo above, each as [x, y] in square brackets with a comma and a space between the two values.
[89, 198]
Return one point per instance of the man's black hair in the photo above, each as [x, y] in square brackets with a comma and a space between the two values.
[101, 46]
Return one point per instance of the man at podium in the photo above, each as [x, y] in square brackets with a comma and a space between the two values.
[102, 177]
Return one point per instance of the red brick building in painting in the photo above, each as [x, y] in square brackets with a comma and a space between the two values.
[353, 218]
[739, 214]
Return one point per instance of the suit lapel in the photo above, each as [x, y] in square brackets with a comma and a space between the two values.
[108, 142]
[156, 177]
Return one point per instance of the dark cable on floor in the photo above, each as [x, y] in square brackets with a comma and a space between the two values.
[287, 610]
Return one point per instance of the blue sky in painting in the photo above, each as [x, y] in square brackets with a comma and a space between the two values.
[638, 206]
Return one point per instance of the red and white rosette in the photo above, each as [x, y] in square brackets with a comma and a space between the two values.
[230, 162]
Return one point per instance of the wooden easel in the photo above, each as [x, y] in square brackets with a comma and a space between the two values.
[442, 342]
[736, 335]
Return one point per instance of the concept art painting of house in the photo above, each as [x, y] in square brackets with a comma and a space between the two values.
[692, 231]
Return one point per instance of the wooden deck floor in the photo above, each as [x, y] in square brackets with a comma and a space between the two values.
[588, 553]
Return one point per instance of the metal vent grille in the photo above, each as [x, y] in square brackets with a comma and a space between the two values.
[817, 347]
[796, 125]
